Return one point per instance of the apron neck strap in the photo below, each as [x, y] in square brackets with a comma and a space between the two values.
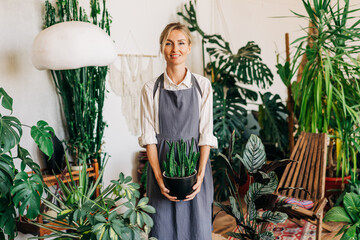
[160, 81]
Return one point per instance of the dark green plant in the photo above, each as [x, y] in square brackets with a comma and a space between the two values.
[18, 191]
[272, 121]
[232, 73]
[88, 217]
[329, 92]
[251, 225]
[82, 90]
[348, 213]
[185, 164]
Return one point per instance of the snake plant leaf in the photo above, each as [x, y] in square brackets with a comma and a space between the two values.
[274, 217]
[6, 100]
[27, 192]
[10, 133]
[254, 155]
[41, 133]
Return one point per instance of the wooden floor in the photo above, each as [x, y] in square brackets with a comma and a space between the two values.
[224, 223]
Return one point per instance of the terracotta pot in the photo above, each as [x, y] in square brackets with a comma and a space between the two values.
[335, 184]
[180, 187]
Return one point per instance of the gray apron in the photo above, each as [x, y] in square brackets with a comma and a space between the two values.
[179, 119]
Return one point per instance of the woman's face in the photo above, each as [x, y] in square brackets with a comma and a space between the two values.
[176, 48]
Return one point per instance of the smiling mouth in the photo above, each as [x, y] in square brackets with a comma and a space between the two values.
[175, 55]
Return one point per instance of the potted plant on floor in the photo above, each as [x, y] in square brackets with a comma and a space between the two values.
[327, 96]
[252, 224]
[180, 172]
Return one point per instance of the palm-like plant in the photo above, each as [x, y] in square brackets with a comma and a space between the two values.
[329, 91]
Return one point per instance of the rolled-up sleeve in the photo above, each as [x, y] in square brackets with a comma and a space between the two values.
[206, 118]
[148, 133]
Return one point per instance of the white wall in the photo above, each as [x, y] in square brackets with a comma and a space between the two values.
[34, 93]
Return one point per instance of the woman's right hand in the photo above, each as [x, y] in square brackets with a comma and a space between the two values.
[165, 192]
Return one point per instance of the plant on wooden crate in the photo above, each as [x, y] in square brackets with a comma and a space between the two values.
[251, 224]
[18, 191]
[328, 94]
[86, 216]
[82, 90]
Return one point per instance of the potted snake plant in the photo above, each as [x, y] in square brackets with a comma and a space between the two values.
[180, 172]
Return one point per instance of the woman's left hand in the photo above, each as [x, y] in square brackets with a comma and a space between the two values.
[196, 188]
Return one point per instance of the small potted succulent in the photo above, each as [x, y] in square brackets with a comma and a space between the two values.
[180, 172]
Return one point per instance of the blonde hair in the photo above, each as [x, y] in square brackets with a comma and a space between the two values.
[167, 30]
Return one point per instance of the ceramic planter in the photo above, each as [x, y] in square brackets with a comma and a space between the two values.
[335, 185]
[180, 187]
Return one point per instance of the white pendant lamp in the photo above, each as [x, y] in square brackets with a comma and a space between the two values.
[71, 45]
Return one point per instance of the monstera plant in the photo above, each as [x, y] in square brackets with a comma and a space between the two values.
[232, 75]
[252, 224]
[18, 191]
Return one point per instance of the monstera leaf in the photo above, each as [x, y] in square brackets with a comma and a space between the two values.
[10, 133]
[6, 100]
[229, 114]
[246, 64]
[7, 173]
[254, 155]
[42, 137]
[272, 120]
[27, 192]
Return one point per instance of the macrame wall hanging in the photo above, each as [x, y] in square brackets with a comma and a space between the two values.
[128, 75]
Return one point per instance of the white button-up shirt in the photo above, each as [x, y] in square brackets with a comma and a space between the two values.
[150, 109]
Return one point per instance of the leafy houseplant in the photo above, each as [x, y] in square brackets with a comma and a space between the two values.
[252, 224]
[18, 191]
[348, 213]
[86, 216]
[180, 173]
[328, 94]
[232, 73]
[82, 90]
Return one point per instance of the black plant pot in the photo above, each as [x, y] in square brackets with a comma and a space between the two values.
[57, 161]
[180, 187]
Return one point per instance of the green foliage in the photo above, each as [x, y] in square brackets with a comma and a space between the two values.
[328, 93]
[91, 217]
[231, 74]
[349, 213]
[272, 121]
[18, 191]
[82, 90]
[185, 164]
[228, 70]
[259, 194]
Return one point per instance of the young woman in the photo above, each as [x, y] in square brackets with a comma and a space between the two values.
[178, 105]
